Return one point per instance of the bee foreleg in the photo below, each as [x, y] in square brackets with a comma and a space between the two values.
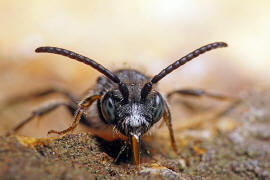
[82, 107]
[168, 120]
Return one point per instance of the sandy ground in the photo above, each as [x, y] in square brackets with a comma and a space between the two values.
[240, 149]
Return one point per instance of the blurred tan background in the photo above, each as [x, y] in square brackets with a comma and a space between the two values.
[147, 35]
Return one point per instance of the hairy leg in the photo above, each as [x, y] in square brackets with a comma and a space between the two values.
[82, 108]
[168, 120]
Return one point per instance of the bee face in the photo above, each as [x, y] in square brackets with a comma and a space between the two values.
[132, 118]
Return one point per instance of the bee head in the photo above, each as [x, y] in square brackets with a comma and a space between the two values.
[134, 117]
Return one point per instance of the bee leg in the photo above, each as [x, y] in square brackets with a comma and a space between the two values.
[44, 109]
[22, 98]
[226, 110]
[82, 108]
[123, 148]
[168, 120]
[199, 93]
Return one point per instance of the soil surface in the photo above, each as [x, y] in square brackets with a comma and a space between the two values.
[239, 149]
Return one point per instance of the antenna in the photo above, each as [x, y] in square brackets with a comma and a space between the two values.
[55, 50]
[148, 86]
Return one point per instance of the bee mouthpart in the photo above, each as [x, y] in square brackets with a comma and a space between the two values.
[136, 143]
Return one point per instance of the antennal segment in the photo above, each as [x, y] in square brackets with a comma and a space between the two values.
[55, 50]
[148, 86]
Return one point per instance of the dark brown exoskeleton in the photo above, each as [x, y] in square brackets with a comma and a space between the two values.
[124, 104]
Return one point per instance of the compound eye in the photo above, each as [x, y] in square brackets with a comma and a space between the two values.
[108, 108]
[158, 108]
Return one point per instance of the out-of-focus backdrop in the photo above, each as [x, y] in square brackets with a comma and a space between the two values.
[146, 35]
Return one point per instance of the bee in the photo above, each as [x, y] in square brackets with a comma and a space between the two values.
[123, 105]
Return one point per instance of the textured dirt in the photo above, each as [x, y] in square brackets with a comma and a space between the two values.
[240, 153]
